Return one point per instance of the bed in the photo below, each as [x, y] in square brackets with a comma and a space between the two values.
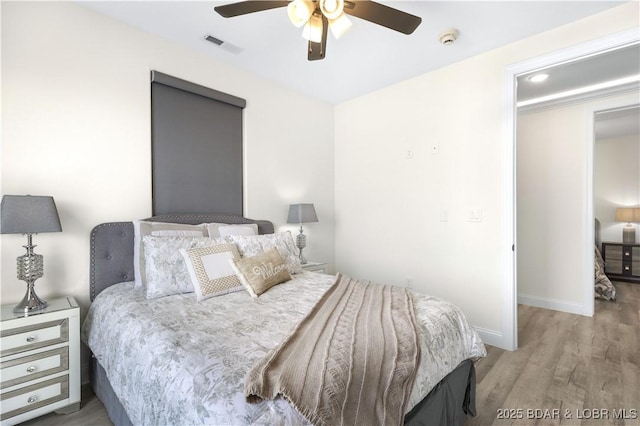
[603, 287]
[177, 360]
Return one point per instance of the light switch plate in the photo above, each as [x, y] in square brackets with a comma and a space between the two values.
[475, 215]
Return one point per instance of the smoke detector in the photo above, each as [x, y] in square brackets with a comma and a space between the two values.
[447, 37]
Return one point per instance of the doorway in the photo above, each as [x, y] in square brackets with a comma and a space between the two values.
[582, 258]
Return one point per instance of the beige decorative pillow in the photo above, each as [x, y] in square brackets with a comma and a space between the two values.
[210, 271]
[259, 273]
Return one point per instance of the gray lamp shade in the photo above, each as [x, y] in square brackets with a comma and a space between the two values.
[28, 214]
[302, 213]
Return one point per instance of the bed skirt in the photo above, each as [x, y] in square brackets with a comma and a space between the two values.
[103, 390]
[449, 402]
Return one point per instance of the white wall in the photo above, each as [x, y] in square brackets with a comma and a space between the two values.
[616, 182]
[75, 113]
[76, 125]
[388, 224]
[552, 147]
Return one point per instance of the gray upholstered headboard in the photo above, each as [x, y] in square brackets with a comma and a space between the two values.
[112, 246]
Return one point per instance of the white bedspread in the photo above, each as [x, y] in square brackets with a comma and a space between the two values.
[176, 361]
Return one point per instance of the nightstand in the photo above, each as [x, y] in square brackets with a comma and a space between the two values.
[315, 267]
[622, 261]
[39, 361]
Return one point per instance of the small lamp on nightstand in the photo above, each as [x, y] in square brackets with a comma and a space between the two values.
[27, 214]
[302, 213]
[629, 215]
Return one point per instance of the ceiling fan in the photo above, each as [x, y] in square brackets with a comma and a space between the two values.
[317, 16]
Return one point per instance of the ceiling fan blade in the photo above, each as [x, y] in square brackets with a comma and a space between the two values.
[244, 7]
[317, 50]
[382, 15]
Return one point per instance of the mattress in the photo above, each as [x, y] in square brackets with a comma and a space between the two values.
[174, 360]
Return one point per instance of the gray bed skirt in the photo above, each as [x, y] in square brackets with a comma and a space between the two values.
[448, 403]
[103, 390]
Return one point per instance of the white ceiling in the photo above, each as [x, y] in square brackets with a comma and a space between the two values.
[367, 58]
[616, 64]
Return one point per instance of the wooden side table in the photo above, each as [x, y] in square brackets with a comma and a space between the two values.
[622, 261]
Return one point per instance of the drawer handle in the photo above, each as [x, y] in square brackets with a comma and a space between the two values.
[32, 399]
[31, 339]
[31, 369]
[626, 268]
[626, 253]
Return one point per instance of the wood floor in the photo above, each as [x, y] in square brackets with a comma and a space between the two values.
[569, 369]
[578, 366]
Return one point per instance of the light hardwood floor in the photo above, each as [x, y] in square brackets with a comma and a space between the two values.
[565, 362]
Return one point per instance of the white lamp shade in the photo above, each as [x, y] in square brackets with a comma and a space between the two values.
[340, 25]
[332, 9]
[300, 11]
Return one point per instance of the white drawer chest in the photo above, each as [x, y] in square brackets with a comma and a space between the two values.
[320, 267]
[39, 361]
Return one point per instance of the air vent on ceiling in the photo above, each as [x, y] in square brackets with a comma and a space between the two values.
[223, 44]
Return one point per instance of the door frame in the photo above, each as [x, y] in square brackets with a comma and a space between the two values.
[509, 236]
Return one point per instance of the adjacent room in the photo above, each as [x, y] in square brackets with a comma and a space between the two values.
[277, 212]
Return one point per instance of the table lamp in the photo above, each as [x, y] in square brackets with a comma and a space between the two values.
[29, 214]
[629, 215]
[302, 213]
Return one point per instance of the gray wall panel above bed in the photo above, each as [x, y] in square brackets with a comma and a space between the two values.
[196, 148]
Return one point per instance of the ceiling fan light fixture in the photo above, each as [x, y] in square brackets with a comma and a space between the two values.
[340, 25]
[300, 11]
[312, 30]
[332, 9]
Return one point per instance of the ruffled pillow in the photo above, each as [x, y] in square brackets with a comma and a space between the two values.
[165, 269]
[258, 244]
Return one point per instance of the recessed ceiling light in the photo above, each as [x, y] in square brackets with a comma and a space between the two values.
[619, 83]
[538, 78]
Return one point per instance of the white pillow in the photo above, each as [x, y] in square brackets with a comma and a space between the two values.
[214, 229]
[165, 269]
[178, 233]
[210, 271]
[142, 228]
[241, 230]
[258, 244]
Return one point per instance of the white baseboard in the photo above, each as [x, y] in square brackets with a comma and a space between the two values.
[553, 304]
[491, 337]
